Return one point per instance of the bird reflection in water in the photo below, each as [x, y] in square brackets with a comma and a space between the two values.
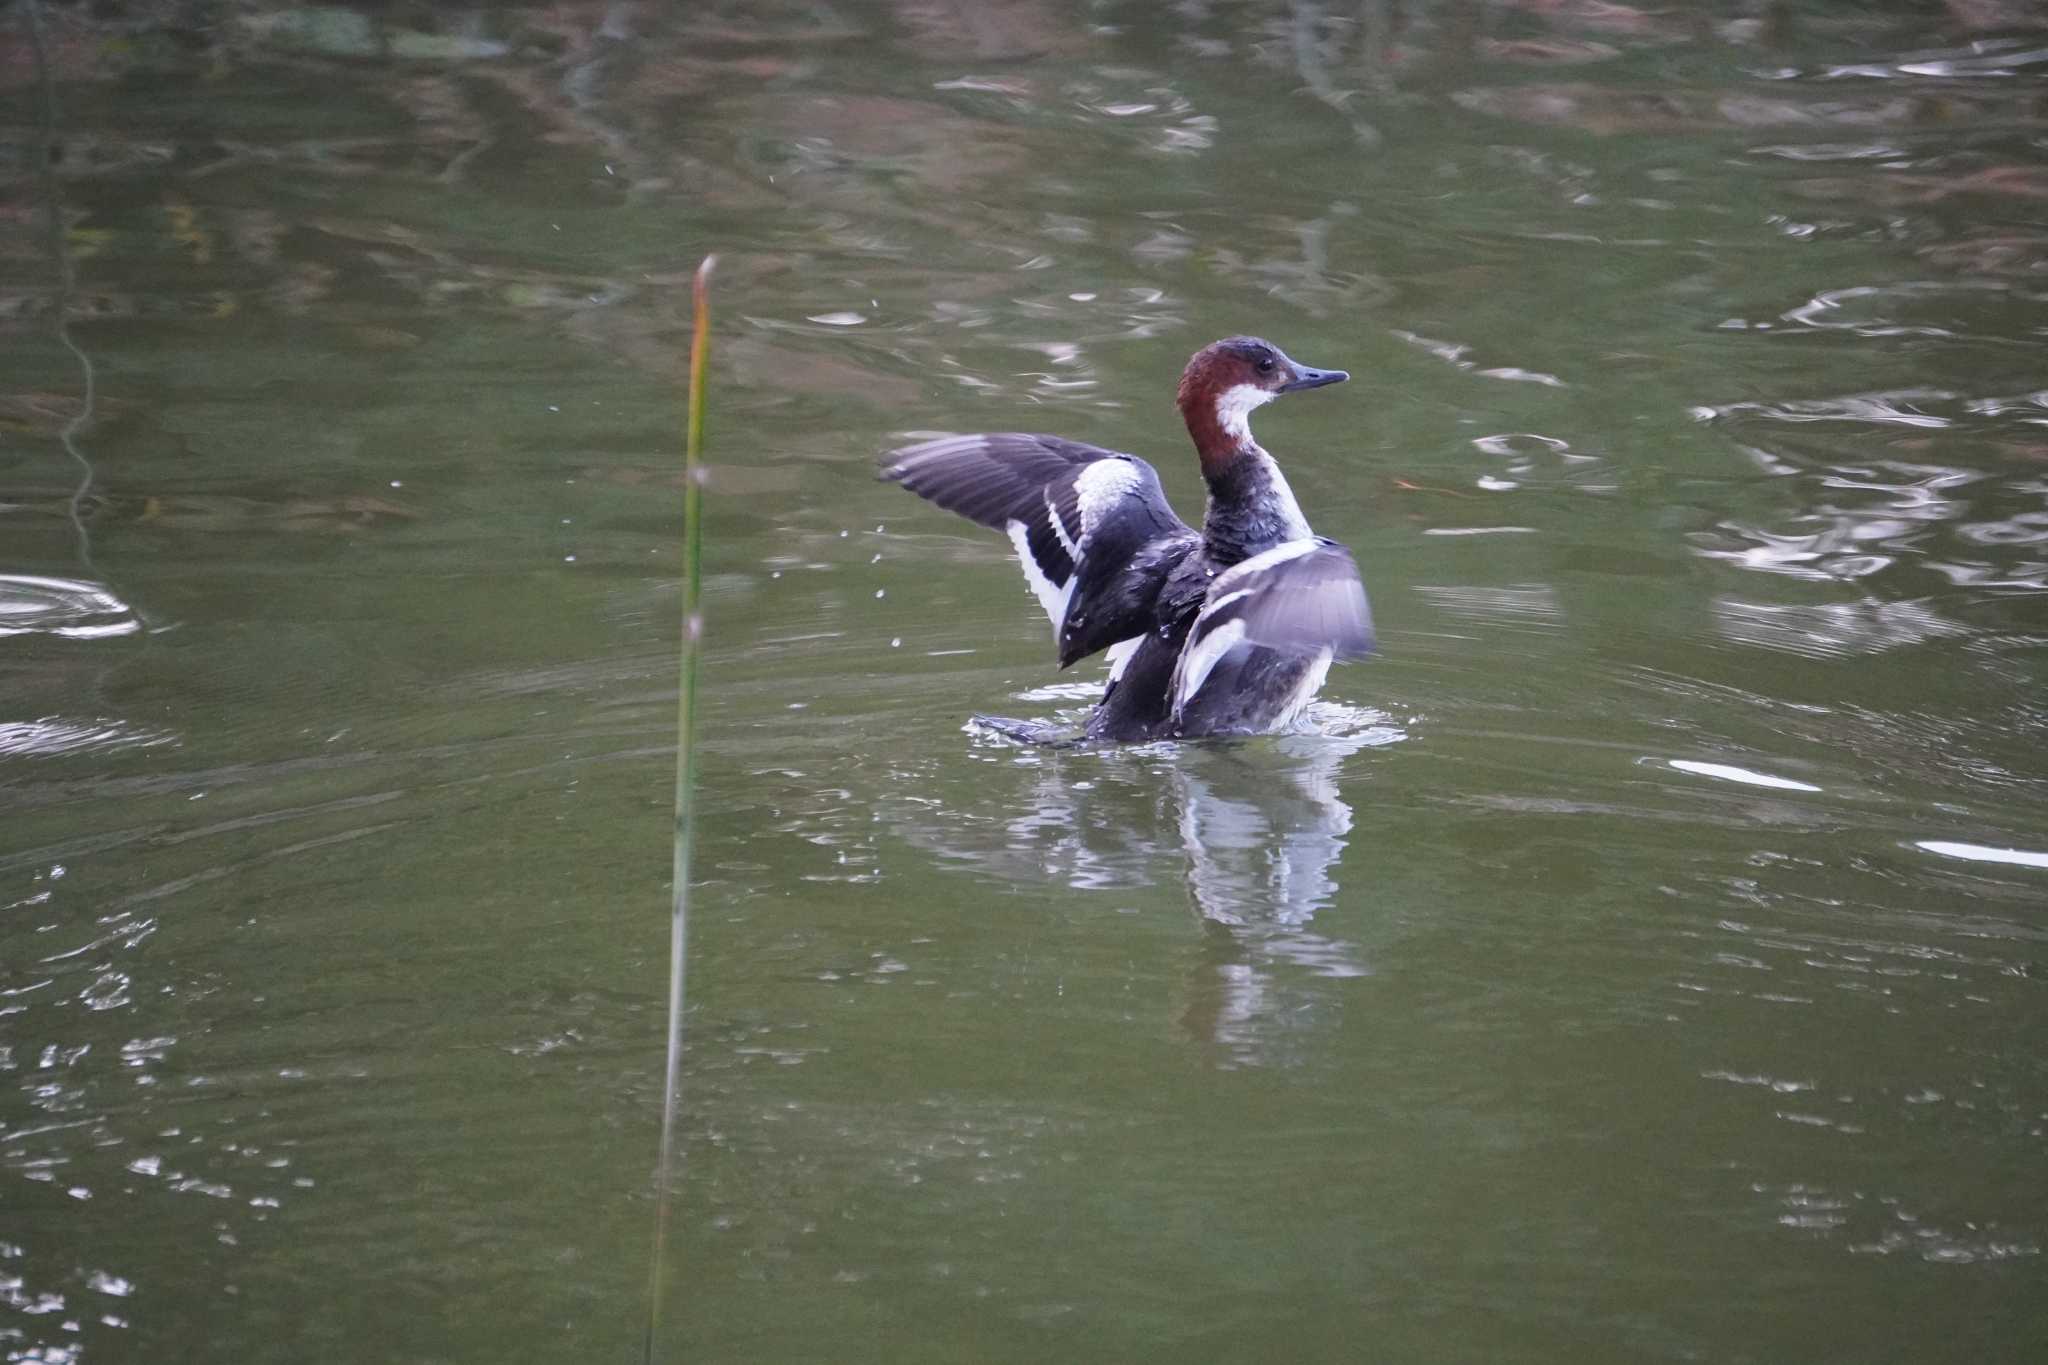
[1263, 829]
[1256, 831]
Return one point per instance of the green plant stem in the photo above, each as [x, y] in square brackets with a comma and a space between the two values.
[686, 783]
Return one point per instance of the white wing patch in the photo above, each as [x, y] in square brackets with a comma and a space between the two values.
[1102, 486]
[1053, 598]
[1091, 527]
[1201, 659]
[1217, 604]
[1118, 655]
[1098, 489]
[1060, 532]
[1259, 563]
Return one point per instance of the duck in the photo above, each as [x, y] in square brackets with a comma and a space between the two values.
[1226, 631]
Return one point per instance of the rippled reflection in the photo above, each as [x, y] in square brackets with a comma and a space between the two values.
[1832, 630]
[1972, 308]
[1530, 606]
[2015, 857]
[1263, 831]
[63, 607]
[1747, 777]
[1851, 521]
[56, 735]
[1256, 832]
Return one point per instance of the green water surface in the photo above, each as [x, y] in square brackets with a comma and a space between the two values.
[1642, 959]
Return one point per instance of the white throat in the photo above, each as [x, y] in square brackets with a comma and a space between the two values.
[1234, 409]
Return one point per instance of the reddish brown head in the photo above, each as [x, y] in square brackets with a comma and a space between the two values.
[1223, 383]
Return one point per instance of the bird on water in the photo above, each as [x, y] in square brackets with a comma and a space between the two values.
[1229, 630]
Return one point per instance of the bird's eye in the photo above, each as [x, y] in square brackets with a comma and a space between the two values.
[1265, 364]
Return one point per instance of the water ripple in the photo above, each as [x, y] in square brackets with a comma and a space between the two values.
[1995, 58]
[31, 605]
[1748, 777]
[1924, 408]
[1833, 630]
[1524, 606]
[1854, 521]
[55, 735]
[1979, 309]
[1983, 853]
[1895, 407]
[1458, 354]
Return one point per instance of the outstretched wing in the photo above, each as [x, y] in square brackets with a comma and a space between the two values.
[1302, 599]
[1092, 527]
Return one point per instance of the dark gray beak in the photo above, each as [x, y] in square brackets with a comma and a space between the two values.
[1306, 378]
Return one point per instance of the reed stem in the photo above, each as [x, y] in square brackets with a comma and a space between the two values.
[686, 782]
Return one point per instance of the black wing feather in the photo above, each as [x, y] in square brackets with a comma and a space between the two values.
[993, 478]
[1109, 563]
